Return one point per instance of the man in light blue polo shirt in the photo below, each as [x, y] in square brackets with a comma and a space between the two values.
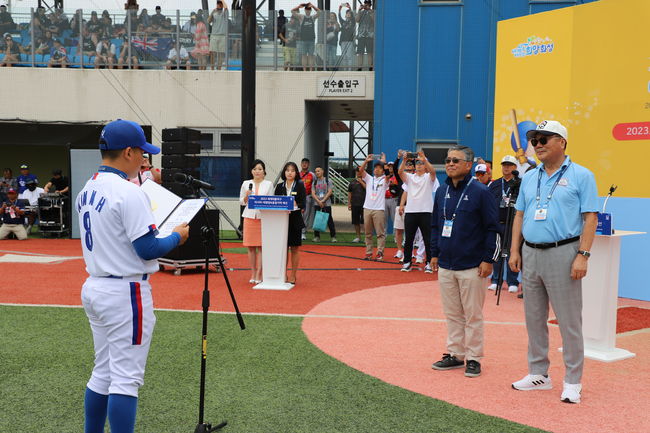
[557, 216]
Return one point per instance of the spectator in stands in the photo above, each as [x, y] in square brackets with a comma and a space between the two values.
[292, 186]
[168, 26]
[348, 26]
[88, 46]
[124, 54]
[105, 54]
[7, 182]
[144, 18]
[132, 17]
[321, 193]
[219, 20]
[39, 23]
[59, 22]
[77, 22]
[107, 25]
[25, 175]
[31, 195]
[190, 25]
[365, 33]
[252, 222]
[44, 44]
[332, 37]
[158, 19]
[281, 21]
[289, 37]
[13, 217]
[94, 27]
[58, 184]
[58, 55]
[356, 197]
[374, 205]
[6, 21]
[307, 23]
[201, 44]
[307, 178]
[12, 51]
[480, 173]
[173, 58]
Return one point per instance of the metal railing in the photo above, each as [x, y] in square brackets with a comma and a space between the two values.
[341, 184]
[175, 39]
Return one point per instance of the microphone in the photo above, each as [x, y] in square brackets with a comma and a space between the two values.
[250, 186]
[186, 179]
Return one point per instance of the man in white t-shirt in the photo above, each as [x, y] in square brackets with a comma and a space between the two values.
[31, 194]
[419, 205]
[173, 58]
[374, 206]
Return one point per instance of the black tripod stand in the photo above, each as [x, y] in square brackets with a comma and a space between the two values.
[208, 234]
[506, 239]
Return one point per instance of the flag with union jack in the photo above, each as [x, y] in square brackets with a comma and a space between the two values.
[151, 48]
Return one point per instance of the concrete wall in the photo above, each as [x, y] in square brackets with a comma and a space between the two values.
[168, 99]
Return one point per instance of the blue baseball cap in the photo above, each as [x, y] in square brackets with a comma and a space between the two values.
[120, 134]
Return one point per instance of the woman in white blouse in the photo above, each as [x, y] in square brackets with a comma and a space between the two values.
[252, 223]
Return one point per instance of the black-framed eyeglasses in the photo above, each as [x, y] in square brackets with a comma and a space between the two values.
[454, 160]
[543, 140]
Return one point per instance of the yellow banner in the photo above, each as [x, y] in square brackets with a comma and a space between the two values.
[588, 67]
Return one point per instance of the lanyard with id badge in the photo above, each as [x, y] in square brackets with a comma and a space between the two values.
[505, 195]
[541, 210]
[374, 193]
[448, 224]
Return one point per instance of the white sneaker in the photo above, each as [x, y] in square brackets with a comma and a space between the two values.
[419, 260]
[492, 287]
[571, 393]
[334, 240]
[513, 289]
[399, 254]
[406, 267]
[533, 382]
[316, 239]
[355, 240]
[303, 237]
[428, 269]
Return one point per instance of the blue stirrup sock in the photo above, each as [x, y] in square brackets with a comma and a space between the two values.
[121, 413]
[95, 407]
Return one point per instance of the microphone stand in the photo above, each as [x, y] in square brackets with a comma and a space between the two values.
[208, 234]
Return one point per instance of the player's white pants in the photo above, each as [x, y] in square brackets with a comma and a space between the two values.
[121, 318]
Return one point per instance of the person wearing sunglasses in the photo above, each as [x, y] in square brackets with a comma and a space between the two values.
[556, 221]
[465, 242]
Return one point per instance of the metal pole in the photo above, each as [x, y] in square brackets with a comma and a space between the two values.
[80, 48]
[248, 87]
[275, 38]
[351, 150]
[31, 30]
[226, 54]
[128, 34]
[178, 39]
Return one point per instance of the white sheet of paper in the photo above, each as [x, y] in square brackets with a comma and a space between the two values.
[182, 214]
[162, 200]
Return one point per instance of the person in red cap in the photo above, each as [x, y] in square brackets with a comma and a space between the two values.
[13, 217]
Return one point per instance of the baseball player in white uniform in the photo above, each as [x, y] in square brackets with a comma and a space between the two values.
[120, 248]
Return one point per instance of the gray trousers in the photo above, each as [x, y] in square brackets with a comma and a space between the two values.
[308, 215]
[546, 277]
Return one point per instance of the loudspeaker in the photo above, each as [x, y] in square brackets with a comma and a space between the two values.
[193, 249]
[181, 134]
[180, 161]
[183, 191]
[169, 173]
[180, 147]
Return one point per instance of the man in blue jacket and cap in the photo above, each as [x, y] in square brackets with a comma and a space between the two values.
[465, 242]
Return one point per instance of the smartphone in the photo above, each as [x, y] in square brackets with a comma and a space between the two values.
[411, 155]
[386, 172]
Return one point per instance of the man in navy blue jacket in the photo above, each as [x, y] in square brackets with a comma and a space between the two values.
[465, 243]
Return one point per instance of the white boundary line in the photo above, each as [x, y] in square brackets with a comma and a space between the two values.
[310, 316]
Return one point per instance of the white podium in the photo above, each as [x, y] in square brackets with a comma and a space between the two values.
[600, 299]
[275, 227]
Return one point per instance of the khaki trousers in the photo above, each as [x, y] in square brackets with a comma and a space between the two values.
[375, 219]
[463, 294]
[17, 229]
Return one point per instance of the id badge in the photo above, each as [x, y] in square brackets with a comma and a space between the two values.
[540, 214]
[446, 228]
[373, 196]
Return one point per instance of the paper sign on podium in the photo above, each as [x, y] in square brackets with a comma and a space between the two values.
[275, 227]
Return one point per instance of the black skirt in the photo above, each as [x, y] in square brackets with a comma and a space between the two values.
[296, 223]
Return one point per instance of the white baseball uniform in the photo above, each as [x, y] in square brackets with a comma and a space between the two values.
[117, 295]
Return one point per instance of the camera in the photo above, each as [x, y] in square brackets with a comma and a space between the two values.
[411, 155]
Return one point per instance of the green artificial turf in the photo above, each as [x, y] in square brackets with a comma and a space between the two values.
[268, 378]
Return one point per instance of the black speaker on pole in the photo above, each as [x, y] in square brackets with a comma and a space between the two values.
[193, 248]
[180, 149]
